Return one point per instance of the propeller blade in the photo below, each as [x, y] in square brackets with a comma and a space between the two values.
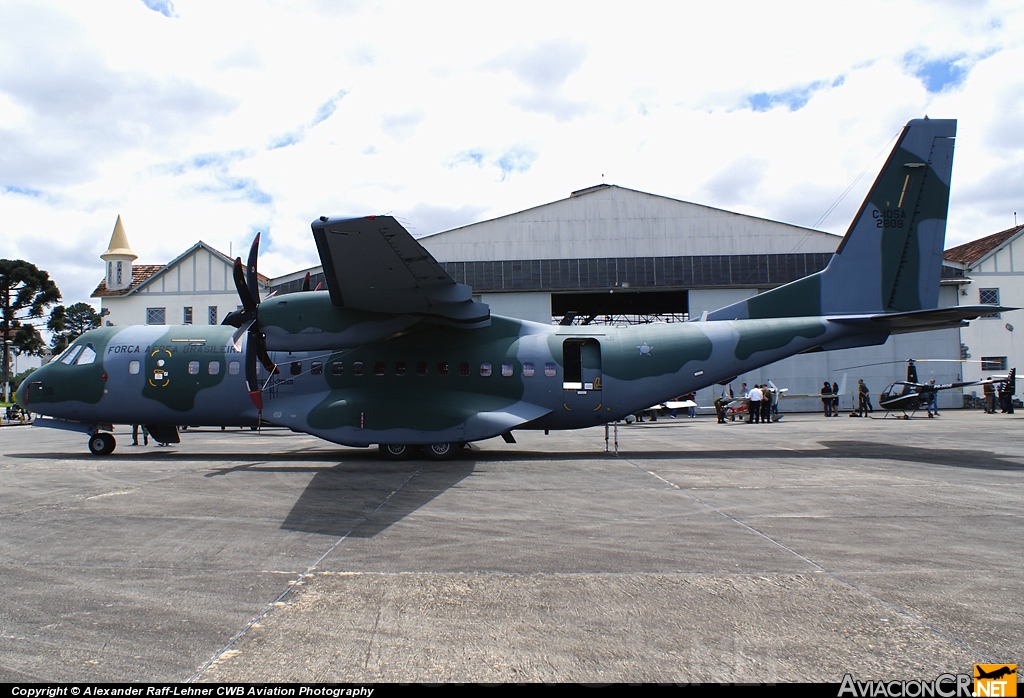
[248, 301]
[251, 280]
[236, 336]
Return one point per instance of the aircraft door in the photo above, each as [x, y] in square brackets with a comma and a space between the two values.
[581, 379]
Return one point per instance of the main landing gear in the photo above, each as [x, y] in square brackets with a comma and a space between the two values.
[441, 451]
[102, 443]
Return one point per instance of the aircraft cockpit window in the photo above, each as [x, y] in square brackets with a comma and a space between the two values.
[193, 368]
[506, 369]
[214, 368]
[71, 355]
[528, 369]
[549, 369]
[133, 367]
[485, 369]
[233, 368]
[87, 356]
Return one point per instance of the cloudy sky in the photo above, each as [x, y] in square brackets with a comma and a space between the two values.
[211, 120]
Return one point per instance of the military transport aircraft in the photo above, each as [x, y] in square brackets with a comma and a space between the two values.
[396, 353]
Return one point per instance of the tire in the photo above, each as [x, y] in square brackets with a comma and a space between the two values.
[397, 451]
[446, 450]
[102, 444]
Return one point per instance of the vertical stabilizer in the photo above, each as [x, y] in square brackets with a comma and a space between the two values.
[891, 257]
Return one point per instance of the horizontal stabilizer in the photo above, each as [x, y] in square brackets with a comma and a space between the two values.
[923, 320]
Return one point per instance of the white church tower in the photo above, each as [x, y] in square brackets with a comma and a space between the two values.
[119, 258]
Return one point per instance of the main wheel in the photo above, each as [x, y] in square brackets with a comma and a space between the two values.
[397, 451]
[442, 451]
[102, 444]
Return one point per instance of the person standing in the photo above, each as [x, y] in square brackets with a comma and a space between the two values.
[862, 398]
[989, 390]
[754, 405]
[826, 398]
[835, 399]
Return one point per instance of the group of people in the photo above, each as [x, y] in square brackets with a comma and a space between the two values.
[830, 399]
[761, 404]
[998, 394]
[15, 413]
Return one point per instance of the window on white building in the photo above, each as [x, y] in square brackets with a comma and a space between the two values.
[989, 296]
[156, 316]
[993, 363]
[186, 318]
[212, 315]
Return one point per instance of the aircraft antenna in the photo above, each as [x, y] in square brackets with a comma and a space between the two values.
[885, 149]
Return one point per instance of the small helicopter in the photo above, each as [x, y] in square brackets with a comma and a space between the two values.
[910, 395]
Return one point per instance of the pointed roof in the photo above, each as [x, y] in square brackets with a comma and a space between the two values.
[119, 243]
[971, 252]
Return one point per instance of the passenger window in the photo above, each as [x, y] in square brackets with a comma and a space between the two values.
[506, 369]
[296, 368]
[549, 369]
[421, 368]
[133, 367]
[463, 368]
[316, 368]
[485, 369]
[528, 369]
[193, 368]
[214, 368]
[337, 368]
[378, 368]
[400, 368]
[87, 356]
[442, 368]
[233, 368]
[357, 368]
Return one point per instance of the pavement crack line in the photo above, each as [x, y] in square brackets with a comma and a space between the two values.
[895, 609]
[295, 582]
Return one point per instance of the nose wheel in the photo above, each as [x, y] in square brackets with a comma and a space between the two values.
[102, 444]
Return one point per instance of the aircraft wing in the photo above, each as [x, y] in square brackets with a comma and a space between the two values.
[374, 264]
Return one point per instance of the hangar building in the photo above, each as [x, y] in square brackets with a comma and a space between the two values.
[614, 255]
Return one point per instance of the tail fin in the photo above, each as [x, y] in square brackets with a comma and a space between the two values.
[891, 257]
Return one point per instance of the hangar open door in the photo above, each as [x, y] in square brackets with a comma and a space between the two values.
[581, 373]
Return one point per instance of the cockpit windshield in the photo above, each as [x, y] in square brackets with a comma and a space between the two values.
[78, 355]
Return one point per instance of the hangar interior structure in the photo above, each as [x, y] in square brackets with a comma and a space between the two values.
[612, 255]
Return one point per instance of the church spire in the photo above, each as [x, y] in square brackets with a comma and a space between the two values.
[119, 258]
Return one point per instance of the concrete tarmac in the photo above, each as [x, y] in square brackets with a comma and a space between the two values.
[796, 551]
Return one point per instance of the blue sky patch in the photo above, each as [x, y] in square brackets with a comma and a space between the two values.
[937, 74]
[164, 7]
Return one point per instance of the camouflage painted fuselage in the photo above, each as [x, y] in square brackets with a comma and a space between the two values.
[432, 384]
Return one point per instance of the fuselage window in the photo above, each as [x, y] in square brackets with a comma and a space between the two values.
[214, 368]
[337, 368]
[233, 368]
[400, 368]
[485, 369]
[442, 368]
[70, 357]
[133, 367]
[316, 368]
[296, 368]
[87, 356]
[463, 368]
[528, 369]
[357, 368]
[421, 368]
[506, 369]
[378, 368]
[193, 368]
[549, 369]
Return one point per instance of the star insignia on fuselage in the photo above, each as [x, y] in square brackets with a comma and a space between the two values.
[645, 349]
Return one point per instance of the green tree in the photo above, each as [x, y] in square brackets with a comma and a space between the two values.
[25, 293]
[68, 324]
